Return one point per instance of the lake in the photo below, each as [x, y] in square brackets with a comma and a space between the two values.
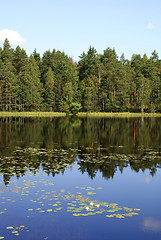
[80, 178]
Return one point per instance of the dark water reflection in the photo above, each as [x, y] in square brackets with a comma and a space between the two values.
[104, 145]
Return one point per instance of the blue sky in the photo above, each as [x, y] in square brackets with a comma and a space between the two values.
[72, 26]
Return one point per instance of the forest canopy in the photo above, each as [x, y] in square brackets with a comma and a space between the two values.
[97, 83]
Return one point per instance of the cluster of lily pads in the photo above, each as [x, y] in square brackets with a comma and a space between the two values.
[16, 230]
[147, 154]
[51, 161]
[80, 202]
[84, 206]
[109, 163]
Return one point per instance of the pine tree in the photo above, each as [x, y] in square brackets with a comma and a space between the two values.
[49, 90]
[109, 60]
[9, 79]
[89, 79]
[20, 60]
[144, 91]
[32, 88]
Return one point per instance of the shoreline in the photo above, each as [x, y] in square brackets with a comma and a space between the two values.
[81, 114]
[32, 114]
[119, 114]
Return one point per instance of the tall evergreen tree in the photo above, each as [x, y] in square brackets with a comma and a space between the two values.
[9, 81]
[32, 87]
[108, 87]
[89, 79]
[49, 90]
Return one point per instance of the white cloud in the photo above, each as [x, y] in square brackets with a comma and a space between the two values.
[150, 26]
[13, 37]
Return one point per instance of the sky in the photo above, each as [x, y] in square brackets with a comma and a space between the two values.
[131, 27]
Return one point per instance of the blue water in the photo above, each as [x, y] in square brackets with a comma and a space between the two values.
[130, 189]
[111, 160]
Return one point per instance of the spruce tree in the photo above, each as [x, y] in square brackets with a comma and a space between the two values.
[9, 79]
[49, 90]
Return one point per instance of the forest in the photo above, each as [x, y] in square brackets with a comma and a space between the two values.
[97, 83]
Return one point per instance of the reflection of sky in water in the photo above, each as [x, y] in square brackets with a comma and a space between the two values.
[152, 224]
[147, 179]
[126, 189]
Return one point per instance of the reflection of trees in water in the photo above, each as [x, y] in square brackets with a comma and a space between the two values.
[87, 132]
[101, 144]
[109, 164]
[57, 160]
[22, 160]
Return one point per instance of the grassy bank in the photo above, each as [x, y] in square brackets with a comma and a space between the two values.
[121, 114]
[32, 114]
[81, 114]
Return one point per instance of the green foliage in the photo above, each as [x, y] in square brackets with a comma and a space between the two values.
[49, 93]
[98, 83]
[75, 107]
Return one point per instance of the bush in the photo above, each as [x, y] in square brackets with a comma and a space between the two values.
[75, 107]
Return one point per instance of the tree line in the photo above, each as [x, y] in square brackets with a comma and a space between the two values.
[97, 83]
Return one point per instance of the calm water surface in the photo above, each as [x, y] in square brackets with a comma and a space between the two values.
[80, 178]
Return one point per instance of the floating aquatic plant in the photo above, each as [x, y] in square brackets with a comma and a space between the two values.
[16, 230]
[79, 204]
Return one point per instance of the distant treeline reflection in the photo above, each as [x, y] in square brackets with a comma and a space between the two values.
[55, 144]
